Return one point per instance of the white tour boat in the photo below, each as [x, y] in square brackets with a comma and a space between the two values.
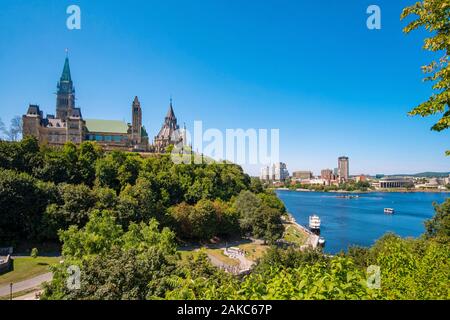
[389, 210]
[314, 223]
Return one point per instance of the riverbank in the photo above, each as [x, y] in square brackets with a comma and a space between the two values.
[309, 240]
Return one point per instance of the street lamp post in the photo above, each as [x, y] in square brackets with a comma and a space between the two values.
[11, 291]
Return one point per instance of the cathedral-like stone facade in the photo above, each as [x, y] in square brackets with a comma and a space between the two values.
[69, 124]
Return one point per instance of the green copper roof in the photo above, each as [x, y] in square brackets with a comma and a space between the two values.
[106, 126]
[66, 71]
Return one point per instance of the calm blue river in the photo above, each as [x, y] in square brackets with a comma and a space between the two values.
[361, 221]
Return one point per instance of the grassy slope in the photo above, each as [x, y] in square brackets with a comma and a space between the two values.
[216, 253]
[253, 251]
[294, 235]
[27, 267]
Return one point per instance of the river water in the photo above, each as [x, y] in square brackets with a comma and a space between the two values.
[361, 221]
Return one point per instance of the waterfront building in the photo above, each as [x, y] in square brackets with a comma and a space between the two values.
[321, 182]
[447, 180]
[327, 174]
[343, 169]
[302, 175]
[69, 125]
[431, 183]
[361, 178]
[395, 182]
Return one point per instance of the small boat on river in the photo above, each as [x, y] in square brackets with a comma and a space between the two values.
[348, 197]
[321, 241]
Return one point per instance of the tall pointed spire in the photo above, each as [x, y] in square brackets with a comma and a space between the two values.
[170, 112]
[169, 133]
[66, 71]
[65, 99]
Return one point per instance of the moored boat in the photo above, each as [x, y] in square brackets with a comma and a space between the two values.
[314, 223]
[321, 241]
[389, 210]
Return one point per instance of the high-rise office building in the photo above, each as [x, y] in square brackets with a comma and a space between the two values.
[327, 174]
[276, 172]
[265, 173]
[279, 171]
[343, 168]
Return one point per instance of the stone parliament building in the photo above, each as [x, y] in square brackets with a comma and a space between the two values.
[69, 124]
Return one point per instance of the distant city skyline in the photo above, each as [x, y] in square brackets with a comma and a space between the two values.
[314, 71]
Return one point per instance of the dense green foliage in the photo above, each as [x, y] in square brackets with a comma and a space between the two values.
[43, 190]
[116, 264]
[439, 227]
[260, 215]
[410, 269]
[142, 263]
[205, 220]
[434, 16]
[120, 218]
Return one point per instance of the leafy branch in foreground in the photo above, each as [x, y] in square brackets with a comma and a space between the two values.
[434, 16]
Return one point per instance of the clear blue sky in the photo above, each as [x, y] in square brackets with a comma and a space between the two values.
[310, 68]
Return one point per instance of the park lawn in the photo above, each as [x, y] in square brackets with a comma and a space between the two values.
[294, 235]
[188, 254]
[254, 251]
[218, 254]
[27, 267]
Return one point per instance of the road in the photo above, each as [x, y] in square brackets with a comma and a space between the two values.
[26, 284]
[29, 296]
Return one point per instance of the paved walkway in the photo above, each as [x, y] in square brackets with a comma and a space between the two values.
[220, 245]
[244, 263]
[30, 296]
[26, 284]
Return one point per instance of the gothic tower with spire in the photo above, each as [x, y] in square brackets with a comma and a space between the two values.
[136, 126]
[169, 133]
[65, 96]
